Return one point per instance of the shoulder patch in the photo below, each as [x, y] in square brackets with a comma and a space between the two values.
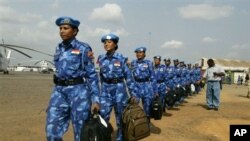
[91, 55]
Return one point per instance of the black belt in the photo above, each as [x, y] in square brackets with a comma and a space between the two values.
[67, 82]
[112, 81]
[142, 80]
[160, 81]
[213, 81]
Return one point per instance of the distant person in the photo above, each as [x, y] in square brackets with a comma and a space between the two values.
[241, 80]
[198, 77]
[246, 79]
[115, 77]
[248, 83]
[229, 80]
[238, 80]
[76, 83]
[213, 76]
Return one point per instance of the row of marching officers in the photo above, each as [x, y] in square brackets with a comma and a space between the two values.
[146, 81]
[171, 84]
[77, 92]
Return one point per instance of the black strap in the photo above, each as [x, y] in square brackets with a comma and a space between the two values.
[160, 81]
[142, 80]
[67, 82]
[112, 81]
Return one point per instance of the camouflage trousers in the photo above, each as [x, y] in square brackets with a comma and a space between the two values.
[67, 103]
[113, 95]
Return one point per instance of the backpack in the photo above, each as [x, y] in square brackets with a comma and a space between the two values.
[135, 123]
[156, 109]
[96, 129]
[170, 98]
[179, 93]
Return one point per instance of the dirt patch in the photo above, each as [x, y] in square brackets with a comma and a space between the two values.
[24, 98]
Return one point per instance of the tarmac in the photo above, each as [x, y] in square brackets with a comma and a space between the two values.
[24, 97]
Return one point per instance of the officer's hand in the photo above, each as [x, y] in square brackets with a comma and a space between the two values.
[167, 89]
[95, 107]
[133, 100]
[156, 95]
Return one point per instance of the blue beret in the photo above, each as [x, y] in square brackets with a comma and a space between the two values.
[157, 57]
[67, 20]
[110, 36]
[167, 59]
[141, 49]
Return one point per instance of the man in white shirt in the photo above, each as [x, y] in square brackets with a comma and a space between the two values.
[213, 76]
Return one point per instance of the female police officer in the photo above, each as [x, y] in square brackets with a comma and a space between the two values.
[144, 76]
[161, 78]
[74, 78]
[113, 70]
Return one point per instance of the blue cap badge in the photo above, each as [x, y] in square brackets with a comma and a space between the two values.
[141, 49]
[67, 20]
[157, 57]
[110, 36]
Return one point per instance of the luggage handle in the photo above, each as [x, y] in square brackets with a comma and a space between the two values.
[95, 113]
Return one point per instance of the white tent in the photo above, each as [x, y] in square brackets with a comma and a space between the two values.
[228, 65]
[235, 68]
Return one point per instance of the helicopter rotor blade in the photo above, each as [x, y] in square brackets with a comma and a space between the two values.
[18, 51]
[37, 62]
[49, 62]
[5, 51]
[5, 45]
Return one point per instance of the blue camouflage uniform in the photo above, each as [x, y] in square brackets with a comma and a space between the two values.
[170, 76]
[188, 77]
[144, 76]
[183, 80]
[76, 88]
[113, 71]
[192, 75]
[189, 74]
[160, 75]
[198, 76]
[177, 79]
[177, 76]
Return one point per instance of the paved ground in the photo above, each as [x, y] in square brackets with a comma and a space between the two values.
[24, 98]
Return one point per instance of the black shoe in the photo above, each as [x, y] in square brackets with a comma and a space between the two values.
[164, 114]
[216, 109]
[209, 108]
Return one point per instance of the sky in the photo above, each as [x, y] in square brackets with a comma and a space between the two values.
[178, 29]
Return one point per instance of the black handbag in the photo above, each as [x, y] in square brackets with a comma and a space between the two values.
[156, 109]
[96, 129]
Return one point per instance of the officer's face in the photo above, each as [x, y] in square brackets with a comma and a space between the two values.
[109, 45]
[157, 61]
[167, 62]
[67, 32]
[140, 55]
[176, 63]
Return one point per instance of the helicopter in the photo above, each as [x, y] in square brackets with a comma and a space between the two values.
[44, 66]
[5, 52]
